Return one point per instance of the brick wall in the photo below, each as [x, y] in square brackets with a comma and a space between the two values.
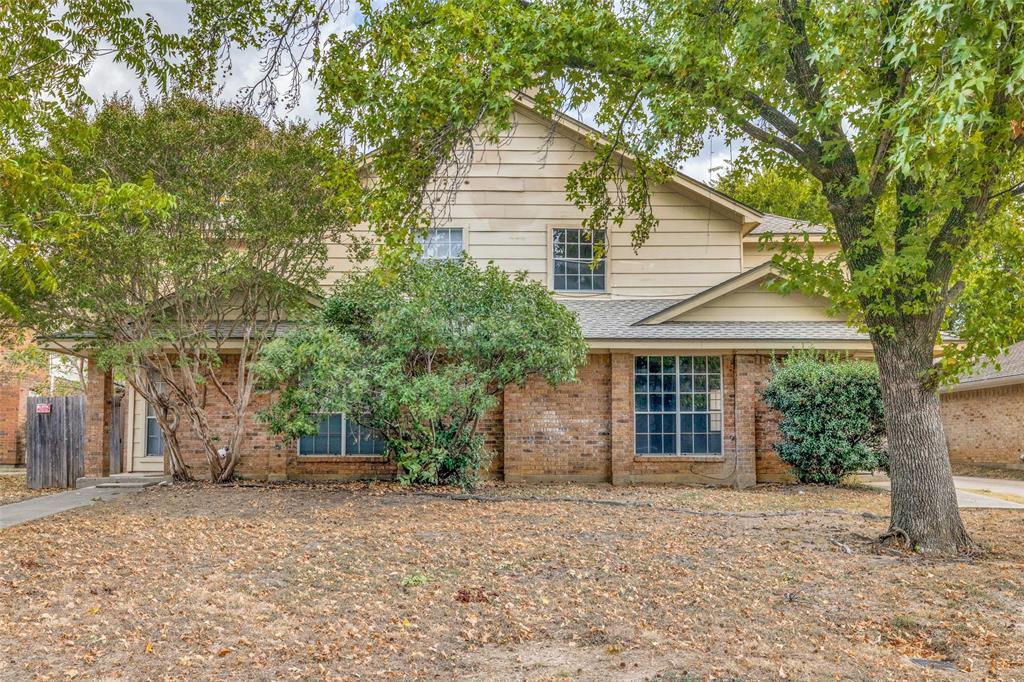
[266, 456]
[12, 422]
[585, 431]
[263, 455]
[581, 431]
[15, 386]
[768, 465]
[99, 390]
[561, 433]
[986, 426]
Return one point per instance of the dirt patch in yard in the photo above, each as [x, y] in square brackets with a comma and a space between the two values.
[14, 488]
[563, 582]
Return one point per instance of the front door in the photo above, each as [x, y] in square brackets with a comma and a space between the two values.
[148, 445]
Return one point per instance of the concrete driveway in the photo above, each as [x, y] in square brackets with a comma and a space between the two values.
[975, 493]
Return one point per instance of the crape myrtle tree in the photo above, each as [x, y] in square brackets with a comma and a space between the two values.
[907, 112]
[180, 301]
[48, 47]
[420, 353]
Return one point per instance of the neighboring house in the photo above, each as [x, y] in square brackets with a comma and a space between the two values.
[983, 415]
[14, 392]
[18, 380]
[681, 335]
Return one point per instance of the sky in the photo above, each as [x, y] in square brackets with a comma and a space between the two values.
[107, 78]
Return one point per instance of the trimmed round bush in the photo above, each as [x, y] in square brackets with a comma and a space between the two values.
[832, 422]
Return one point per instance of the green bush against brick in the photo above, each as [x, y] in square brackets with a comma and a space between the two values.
[832, 421]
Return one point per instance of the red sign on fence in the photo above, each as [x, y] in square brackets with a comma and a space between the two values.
[43, 408]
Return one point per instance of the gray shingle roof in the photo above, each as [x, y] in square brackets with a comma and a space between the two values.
[1011, 365]
[777, 224]
[617, 319]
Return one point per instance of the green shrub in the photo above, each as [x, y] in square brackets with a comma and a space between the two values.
[831, 416]
[420, 354]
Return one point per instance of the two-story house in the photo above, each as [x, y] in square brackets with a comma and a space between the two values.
[681, 333]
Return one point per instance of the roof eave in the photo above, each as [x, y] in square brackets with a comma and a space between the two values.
[979, 384]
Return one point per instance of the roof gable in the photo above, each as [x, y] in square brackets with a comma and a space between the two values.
[743, 298]
[575, 129]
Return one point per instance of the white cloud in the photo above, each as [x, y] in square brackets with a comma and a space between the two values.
[712, 161]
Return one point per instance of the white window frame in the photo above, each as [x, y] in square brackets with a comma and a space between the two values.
[715, 415]
[553, 260]
[344, 442]
[151, 418]
[431, 232]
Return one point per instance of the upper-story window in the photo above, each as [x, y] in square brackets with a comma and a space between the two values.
[442, 243]
[573, 259]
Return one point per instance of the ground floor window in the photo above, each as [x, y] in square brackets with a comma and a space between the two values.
[678, 404]
[154, 434]
[338, 435]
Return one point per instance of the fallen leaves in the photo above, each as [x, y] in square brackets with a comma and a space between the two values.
[377, 582]
[14, 488]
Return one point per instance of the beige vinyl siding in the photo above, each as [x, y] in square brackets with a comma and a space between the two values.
[754, 302]
[514, 195]
[754, 256]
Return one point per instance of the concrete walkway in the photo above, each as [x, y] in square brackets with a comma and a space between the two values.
[48, 505]
[973, 493]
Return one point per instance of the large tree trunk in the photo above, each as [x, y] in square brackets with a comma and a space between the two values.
[925, 515]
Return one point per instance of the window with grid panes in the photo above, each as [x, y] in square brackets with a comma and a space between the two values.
[573, 261]
[340, 436]
[442, 243]
[678, 404]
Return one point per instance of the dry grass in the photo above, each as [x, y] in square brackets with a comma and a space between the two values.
[537, 583]
[14, 489]
[987, 472]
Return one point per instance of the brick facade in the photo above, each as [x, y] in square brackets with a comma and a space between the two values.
[13, 397]
[585, 431]
[581, 432]
[985, 426]
[99, 392]
[17, 381]
[561, 433]
[770, 469]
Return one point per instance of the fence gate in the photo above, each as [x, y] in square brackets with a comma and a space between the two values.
[116, 439]
[55, 441]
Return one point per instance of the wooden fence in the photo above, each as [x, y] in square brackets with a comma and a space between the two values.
[55, 441]
[117, 418]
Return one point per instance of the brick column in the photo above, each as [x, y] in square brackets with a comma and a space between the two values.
[99, 391]
[277, 458]
[746, 368]
[511, 424]
[622, 418]
[12, 420]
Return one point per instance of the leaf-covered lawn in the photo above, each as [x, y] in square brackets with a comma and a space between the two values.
[13, 488]
[537, 582]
